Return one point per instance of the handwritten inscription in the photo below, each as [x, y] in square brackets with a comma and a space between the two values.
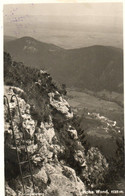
[105, 192]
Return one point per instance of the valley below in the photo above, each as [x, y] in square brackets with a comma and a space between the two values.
[102, 122]
[82, 101]
[100, 118]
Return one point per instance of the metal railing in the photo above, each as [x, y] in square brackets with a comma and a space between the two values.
[20, 163]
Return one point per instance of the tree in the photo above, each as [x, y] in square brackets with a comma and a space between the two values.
[64, 92]
[96, 168]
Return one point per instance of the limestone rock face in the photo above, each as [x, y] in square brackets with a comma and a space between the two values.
[73, 133]
[64, 180]
[48, 130]
[28, 125]
[56, 150]
[79, 157]
[41, 176]
[60, 104]
[50, 176]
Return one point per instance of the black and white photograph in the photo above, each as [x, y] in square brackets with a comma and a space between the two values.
[63, 98]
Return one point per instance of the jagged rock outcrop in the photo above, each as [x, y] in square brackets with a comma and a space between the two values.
[59, 160]
[60, 104]
[72, 132]
[50, 176]
[79, 157]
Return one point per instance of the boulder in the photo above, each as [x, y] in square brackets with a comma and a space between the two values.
[48, 130]
[37, 159]
[60, 105]
[79, 185]
[41, 176]
[32, 148]
[70, 173]
[79, 157]
[73, 133]
[64, 181]
[29, 125]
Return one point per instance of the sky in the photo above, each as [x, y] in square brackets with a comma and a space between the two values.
[69, 25]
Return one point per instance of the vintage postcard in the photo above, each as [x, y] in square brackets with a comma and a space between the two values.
[63, 98]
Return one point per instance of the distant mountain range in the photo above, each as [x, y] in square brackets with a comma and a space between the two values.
[8, 38]
[95, 67]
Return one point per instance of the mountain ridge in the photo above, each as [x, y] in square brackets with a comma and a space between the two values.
[90, 67]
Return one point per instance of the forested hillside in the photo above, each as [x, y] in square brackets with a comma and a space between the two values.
[95, 67]
[63, 162]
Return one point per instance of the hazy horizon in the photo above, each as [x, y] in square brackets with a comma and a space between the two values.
[67, 25]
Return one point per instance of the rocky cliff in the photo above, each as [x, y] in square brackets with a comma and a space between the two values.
[61, 165]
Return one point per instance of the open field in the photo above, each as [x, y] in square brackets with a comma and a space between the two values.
[82, 102]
